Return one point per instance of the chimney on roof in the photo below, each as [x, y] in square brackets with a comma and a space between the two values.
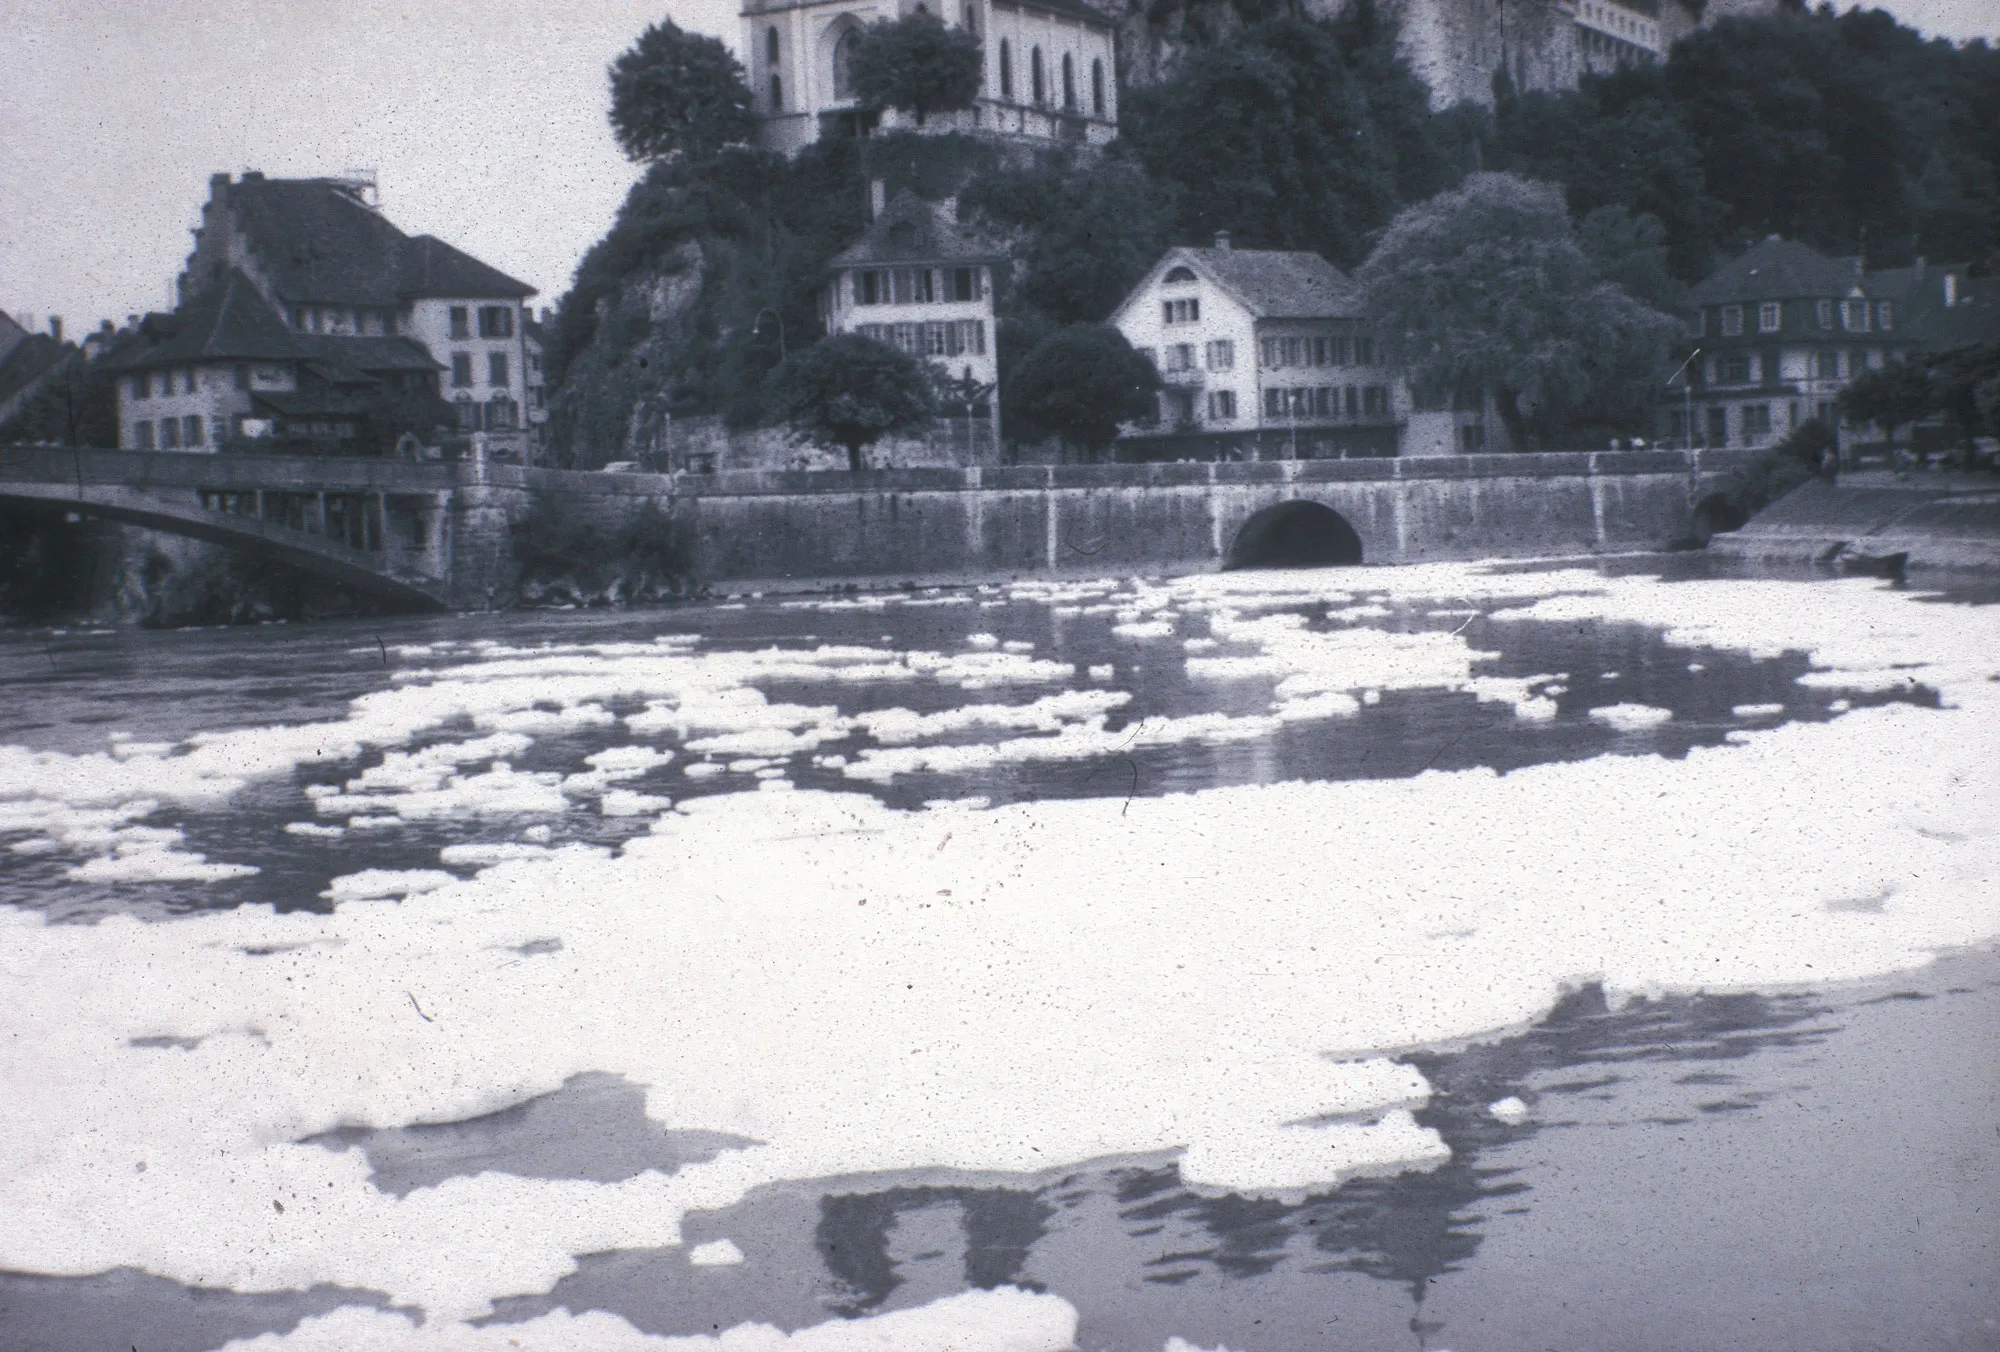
[1222, 241]
[878, 197]
[55, 327]
[253, 175]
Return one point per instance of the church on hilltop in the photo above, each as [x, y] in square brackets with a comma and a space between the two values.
[1050, 75]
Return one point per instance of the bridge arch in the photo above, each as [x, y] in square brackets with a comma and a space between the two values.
[1295, 534]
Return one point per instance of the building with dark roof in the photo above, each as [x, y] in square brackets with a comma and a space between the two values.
[1777, 332]
[1050, 70]
[306, 280]
[29, 362]
[1252, 341]
[923, 284]
[224, 365]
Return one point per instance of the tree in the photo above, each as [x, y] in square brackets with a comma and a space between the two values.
[850, 391]
[1901, 392]
[918, 65]
[1087, 231]
[678, 94]
[1079, 383]
[1485, 287]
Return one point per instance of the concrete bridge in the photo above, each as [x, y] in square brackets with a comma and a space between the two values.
[439, 535]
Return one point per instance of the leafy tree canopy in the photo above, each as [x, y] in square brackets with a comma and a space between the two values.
[1900, 392]
[678, 94]
[918, 65]
[1086, 231]
[1079, 383]
[1485, 287]
[849, 391]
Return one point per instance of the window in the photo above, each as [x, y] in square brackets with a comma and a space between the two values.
[870, 289]
[468, 413]
[496, 321]
[771, 46]
[1718, 426]
[911, 286]
[1823, 313]
[1732, 320]
[1756, 420]
[965, 284]
[1353, 401]
[1274, 403]
[1187, 311]
[191, 430]
[460, 322]
[972, 19]
[1222, 355]
[1180, 357]
[1885, 316]
[843, 62]
[1069, 83]
[971, 337]
[1267, 354]
[777, 93]
[907, 338]
[1097, 107]
[142, 433]
[1826, 365]
[139, 384]
[501, 413]
[170, 434]
[1037, 86]
[937, 339]
[1736, 370]
[1180, 407]
[1326, 401]
[1375, 399]
[1006, 69]
[242, 377]
[1768, 315]
[1222, 405]
[461, 369]
[1291, 351]
[1472, 438]
[496, 368]
[1854, 316]
[1178, 276]
[1364, 351]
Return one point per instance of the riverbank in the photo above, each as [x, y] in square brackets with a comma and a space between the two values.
[1943, 520]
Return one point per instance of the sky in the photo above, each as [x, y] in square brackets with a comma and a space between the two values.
[482, 119]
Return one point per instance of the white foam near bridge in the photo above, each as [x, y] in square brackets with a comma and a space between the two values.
[999, 989]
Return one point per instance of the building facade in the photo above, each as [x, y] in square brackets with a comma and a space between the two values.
[357, 296]
[924, 286]
[1775, 334]
[1257, 348]
[1050, 69]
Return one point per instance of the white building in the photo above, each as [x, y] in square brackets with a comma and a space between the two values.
[1050, 72]
[1265, 351]
[920, 284]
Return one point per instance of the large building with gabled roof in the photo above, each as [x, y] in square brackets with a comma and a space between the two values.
[1257, 345]
[301, 304]
[1778, 331]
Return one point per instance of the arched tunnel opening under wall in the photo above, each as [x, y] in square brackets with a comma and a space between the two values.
[1297, 534]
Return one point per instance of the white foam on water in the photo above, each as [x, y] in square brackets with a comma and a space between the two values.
[1510, 1110]
[374, 884]
[626, 803]
[898, 727]
[1757, 710]
[1013, 988]
[1144, 629]
[715, 1253]
[1006, 1319]
[1631, 717]
[315, 829]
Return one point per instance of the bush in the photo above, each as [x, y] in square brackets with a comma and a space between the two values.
[566, 553]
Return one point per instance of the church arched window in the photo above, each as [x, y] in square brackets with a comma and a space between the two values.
[777, 94]
[843, 63]
[1069, 83]
[771, 45]
[1097, 87]
[1181, 274]
[1006, 69]
[1037, 84]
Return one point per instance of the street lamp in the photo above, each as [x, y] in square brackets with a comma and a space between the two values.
[1687, 398]
[757, 326]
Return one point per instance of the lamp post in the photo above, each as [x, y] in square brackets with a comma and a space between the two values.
[1687, 397]
[757, 326]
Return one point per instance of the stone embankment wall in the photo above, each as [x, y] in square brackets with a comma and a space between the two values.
[935, 523]
[1941, 520]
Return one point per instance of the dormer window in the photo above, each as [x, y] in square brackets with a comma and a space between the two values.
[1732, 320]
[1885, 317]
[1178, 275]
[1854, 316]
[1768, 315]
[1824, 313]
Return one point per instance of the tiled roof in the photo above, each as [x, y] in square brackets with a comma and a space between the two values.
[318, 243]
[228, 322]
[28, 360]
[367, 354]
[10, 333]
[430, 267]
[911, 230]
[1776, 269]
[1278, 284]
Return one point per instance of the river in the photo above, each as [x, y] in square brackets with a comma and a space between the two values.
[1446, 957]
